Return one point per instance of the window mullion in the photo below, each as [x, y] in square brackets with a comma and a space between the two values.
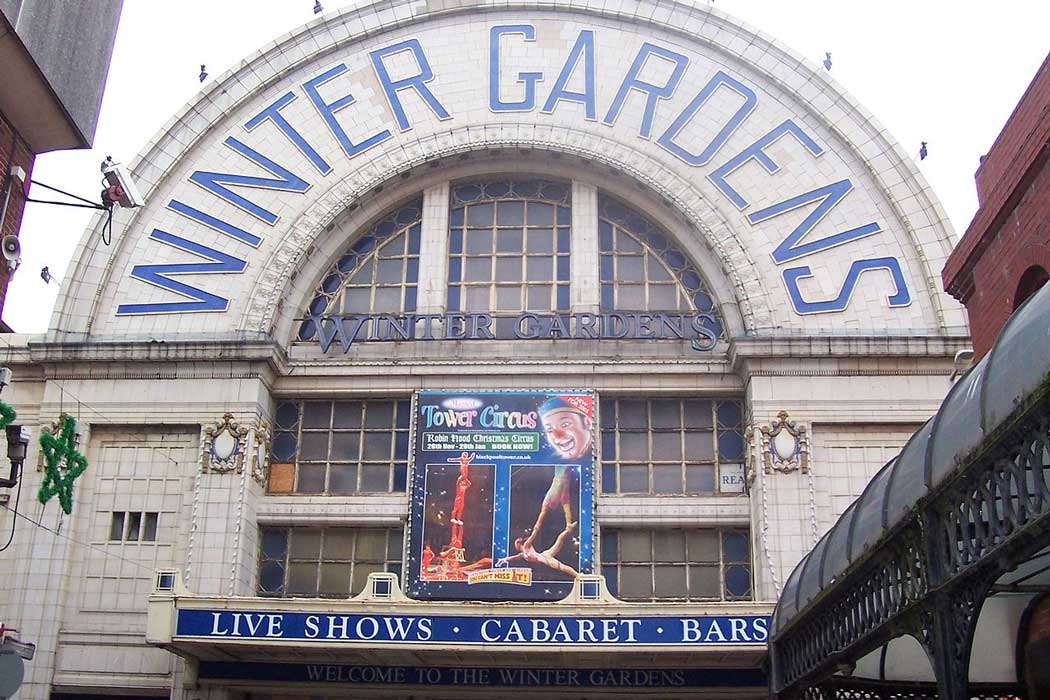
[584, 288]
[433, 251]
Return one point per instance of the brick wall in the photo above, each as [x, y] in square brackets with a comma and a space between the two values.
[1022, 240]
[1020, 139]
[1010, 232]
[13, 151]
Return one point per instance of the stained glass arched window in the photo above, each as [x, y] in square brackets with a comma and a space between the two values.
[509, 246]
[641, 269]
[377, 274]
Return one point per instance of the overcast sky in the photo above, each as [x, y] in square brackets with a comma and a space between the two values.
[946, 72]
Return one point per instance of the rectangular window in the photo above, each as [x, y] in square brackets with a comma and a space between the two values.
[133, 526]
[672, 564]
[131, 534]
[340, 447]
[116, 527]
[149, 527]
[332, 562]
[670, 446]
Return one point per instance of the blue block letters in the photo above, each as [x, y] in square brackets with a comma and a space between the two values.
[528, 101]
[900, 296]
[285, 180]
[652, 92]
[584, 47]
[827, 196]
[273, 114]
[704, 157]
[417, 82]
[327, 111]
[755, 151]
[157, 275]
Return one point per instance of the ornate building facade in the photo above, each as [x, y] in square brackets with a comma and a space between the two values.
[664, 227]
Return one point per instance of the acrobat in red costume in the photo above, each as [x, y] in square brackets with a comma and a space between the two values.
[462, 484]
[424, 567]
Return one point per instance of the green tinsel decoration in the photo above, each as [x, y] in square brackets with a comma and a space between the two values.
[63, 464]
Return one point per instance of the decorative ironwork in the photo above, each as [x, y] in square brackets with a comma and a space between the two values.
[892, 582]
[845, 688]
[930, 574]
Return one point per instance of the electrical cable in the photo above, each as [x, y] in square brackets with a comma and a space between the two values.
[78, 542]
[105, 419]
[107, 227]
[87, 202]
[14, 522]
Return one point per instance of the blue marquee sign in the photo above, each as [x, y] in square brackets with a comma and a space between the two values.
[477, 630]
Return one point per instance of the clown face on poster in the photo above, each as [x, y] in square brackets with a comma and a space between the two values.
[502, 494]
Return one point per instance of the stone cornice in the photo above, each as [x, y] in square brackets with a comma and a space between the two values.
[743, 356]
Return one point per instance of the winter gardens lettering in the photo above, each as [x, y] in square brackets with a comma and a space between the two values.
[700, 329]
[646, 79]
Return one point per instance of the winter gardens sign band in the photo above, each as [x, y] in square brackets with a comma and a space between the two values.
[701, 329]
[323, 123]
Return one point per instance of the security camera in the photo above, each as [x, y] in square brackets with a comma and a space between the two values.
[121, 188]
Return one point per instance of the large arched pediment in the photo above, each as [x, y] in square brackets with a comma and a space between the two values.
[815, 220]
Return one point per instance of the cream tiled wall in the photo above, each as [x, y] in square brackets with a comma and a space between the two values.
[143, 386]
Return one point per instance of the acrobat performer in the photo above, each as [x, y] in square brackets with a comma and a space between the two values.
[567, 426]
[427, 557]
[547, 557]
[462, 484]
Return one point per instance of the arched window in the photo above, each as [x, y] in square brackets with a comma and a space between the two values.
[642, 270]
[1031, 282]
[509, 244]
[377, 274]
[509, 247]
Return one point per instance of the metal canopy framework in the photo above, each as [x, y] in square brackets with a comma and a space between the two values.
[966, 500]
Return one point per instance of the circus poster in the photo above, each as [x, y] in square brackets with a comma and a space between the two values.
[501, 494]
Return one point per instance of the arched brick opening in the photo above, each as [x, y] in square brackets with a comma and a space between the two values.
[1032, 279]
[1034, 642]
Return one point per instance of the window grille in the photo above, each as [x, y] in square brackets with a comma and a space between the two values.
[377, 274]
[509, 248]
[641, 269]
[331, 562]
[340, 447]
[673, 564]
[668, 446]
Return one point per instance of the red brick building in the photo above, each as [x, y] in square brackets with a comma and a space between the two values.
[15, 153]
[1004, 257]
[54, 58]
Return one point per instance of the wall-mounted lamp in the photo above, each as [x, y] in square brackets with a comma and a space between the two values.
[17, 443]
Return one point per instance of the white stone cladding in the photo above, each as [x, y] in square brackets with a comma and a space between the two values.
[146, 384]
